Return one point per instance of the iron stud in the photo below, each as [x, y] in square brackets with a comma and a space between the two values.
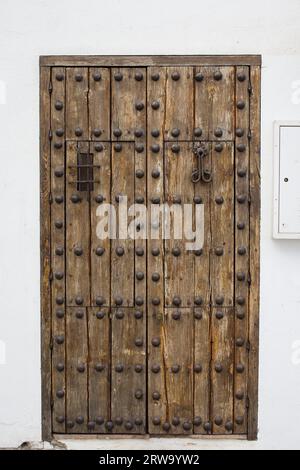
[218, 75]
[139, 301]
[199, 77]
[155, 133]
[100, 315]
[155, 77]
[97, 77]
[139, 275]
[118, 76]
[98, 147]
[155, 104]
[197, 132]
[175, 76]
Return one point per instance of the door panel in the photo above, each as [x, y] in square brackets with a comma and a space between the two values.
[77, 126]
[77, 229]
[128, 380]
[122, 251]
[128, 102]
[170, 372]
[214, 103]
[148, 336]
[179, 190]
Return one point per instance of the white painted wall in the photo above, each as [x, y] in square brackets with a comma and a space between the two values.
[35, 27]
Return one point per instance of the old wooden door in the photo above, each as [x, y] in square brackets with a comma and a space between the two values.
[142, 335]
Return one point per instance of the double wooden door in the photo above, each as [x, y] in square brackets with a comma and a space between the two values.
[145, 335]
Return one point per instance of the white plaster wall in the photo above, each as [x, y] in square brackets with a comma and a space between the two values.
[35, 27]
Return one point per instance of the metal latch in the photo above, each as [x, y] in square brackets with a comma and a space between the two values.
[200, 173]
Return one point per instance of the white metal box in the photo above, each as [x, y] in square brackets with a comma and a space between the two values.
[286, 179]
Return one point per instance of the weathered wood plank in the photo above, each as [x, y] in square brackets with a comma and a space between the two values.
[222, 370]
[128, 102]
[203, 102]
[222, 215]
[122, 250]
[170, 377]
[77, 231]
[77, 126]
[241, 243]
[254, 254]
[222, 112]
[202, 373]
[128, 391]
[45, 229]
[179, 102]
[140, 60]
[98, 368]
[179, 190]
[140, 226]
[99, 103]
[202, 195]
[155, 130]
[76, 370]
[100, 248]
[58, 244]
[214, 102]
[155, 254]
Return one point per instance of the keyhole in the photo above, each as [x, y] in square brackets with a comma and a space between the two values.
[285, 180]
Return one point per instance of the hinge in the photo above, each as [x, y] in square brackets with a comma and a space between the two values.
[249, 199]
[50, 87]
[247, 402]
[50, 199]
[250, 88]
[50, 275]
[249, 279]
[51, 402]
[50, 134]
[249, 134]
[51, 344]
[248, 346]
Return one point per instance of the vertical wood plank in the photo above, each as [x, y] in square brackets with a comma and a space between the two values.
[98, 369]
[77, 231]
[76, 370]
[170, 349]
[100, 248]
[222, 370]
[203, 103]
[122, 250]
[222, 215]
[77, 103]
[179, 103]
[58, 244]
[128, 102]
[242, 250]
[214, 103]
[177, 348]
[221, 270]
[99, 103]
[46, 330]
[156, 79]
[140, 199]
[222, 113]
[202, 373]
[128, 395]
[202, 258]
[157, 400]
[179, 190]
[254, 255]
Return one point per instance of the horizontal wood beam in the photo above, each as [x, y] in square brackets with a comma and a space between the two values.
[144, 60]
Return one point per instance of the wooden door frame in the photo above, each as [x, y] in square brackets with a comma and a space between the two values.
[46, 62]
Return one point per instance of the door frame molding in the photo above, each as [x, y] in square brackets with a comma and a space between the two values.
[46, 62]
